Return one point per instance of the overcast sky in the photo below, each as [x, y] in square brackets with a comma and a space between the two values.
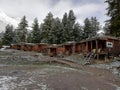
[40, 8]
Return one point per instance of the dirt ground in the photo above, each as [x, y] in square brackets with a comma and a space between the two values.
[21, 70]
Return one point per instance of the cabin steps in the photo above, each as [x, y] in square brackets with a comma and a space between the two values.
[89, 58]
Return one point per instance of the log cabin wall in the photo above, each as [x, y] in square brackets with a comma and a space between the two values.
[115, 50]
[78, 48]
[44, 48]
[56, 50]
[41, 48]
[51, 51]
[18, 47]
[68, 49]
[23, 47]
[83, 47]
[29, 47]
[60, 50]
[13, 46]
[35, 48]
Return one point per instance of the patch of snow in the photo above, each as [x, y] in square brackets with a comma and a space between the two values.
[25, 82]
[110, 66]
[84, 88]
[5, 82]
[115, 64]
[118, 88]
[115, 71]
[43, 86]
[4, 47]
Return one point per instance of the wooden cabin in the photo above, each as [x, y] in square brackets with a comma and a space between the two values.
[35, 47]
[13, 46]
[65, 49]
[17, 46]
[56, 50]
[101, 45]
[78, 47]
[41, 47]
[70, 47]
[22, 46]
[27, 47]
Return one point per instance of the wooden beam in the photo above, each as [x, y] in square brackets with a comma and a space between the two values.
[74, 48]
[91, 46]
[87, 46]
[97, 49]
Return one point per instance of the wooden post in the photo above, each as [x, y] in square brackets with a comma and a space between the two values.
[113, 48]
[74, 48]
[87, 46]
[82, 48]
[91, 46]
[97, 49]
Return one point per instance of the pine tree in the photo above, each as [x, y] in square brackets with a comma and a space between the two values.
[22, 29]
[95, 26]
[78, 32]
[57, 32]
[87, 28]
[91, 27]
[8, 35]
[16, 37]
[1, 36]
[36, 37]
[114, 14]
[71, 30]
[46, 28]
[65, 28]
[30, 37]
[71, 23]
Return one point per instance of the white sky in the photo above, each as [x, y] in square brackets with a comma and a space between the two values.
[40, 8]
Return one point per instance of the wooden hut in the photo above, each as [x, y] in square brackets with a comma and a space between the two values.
[78, 48]
[22, 46]
[101, 45]
[41, 47]
[13, 46]
[18, 47]
[56, 50]
[71, 47]
[28, 47]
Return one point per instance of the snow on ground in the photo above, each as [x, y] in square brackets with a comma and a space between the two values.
[5, 82]
[110, 66]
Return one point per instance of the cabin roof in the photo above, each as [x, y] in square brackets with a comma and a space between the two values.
[69, 43]
[55, 45]
[100, 38]
[42, 44]
[31, 44]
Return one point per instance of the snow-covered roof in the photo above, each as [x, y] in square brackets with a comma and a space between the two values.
[69, 42]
